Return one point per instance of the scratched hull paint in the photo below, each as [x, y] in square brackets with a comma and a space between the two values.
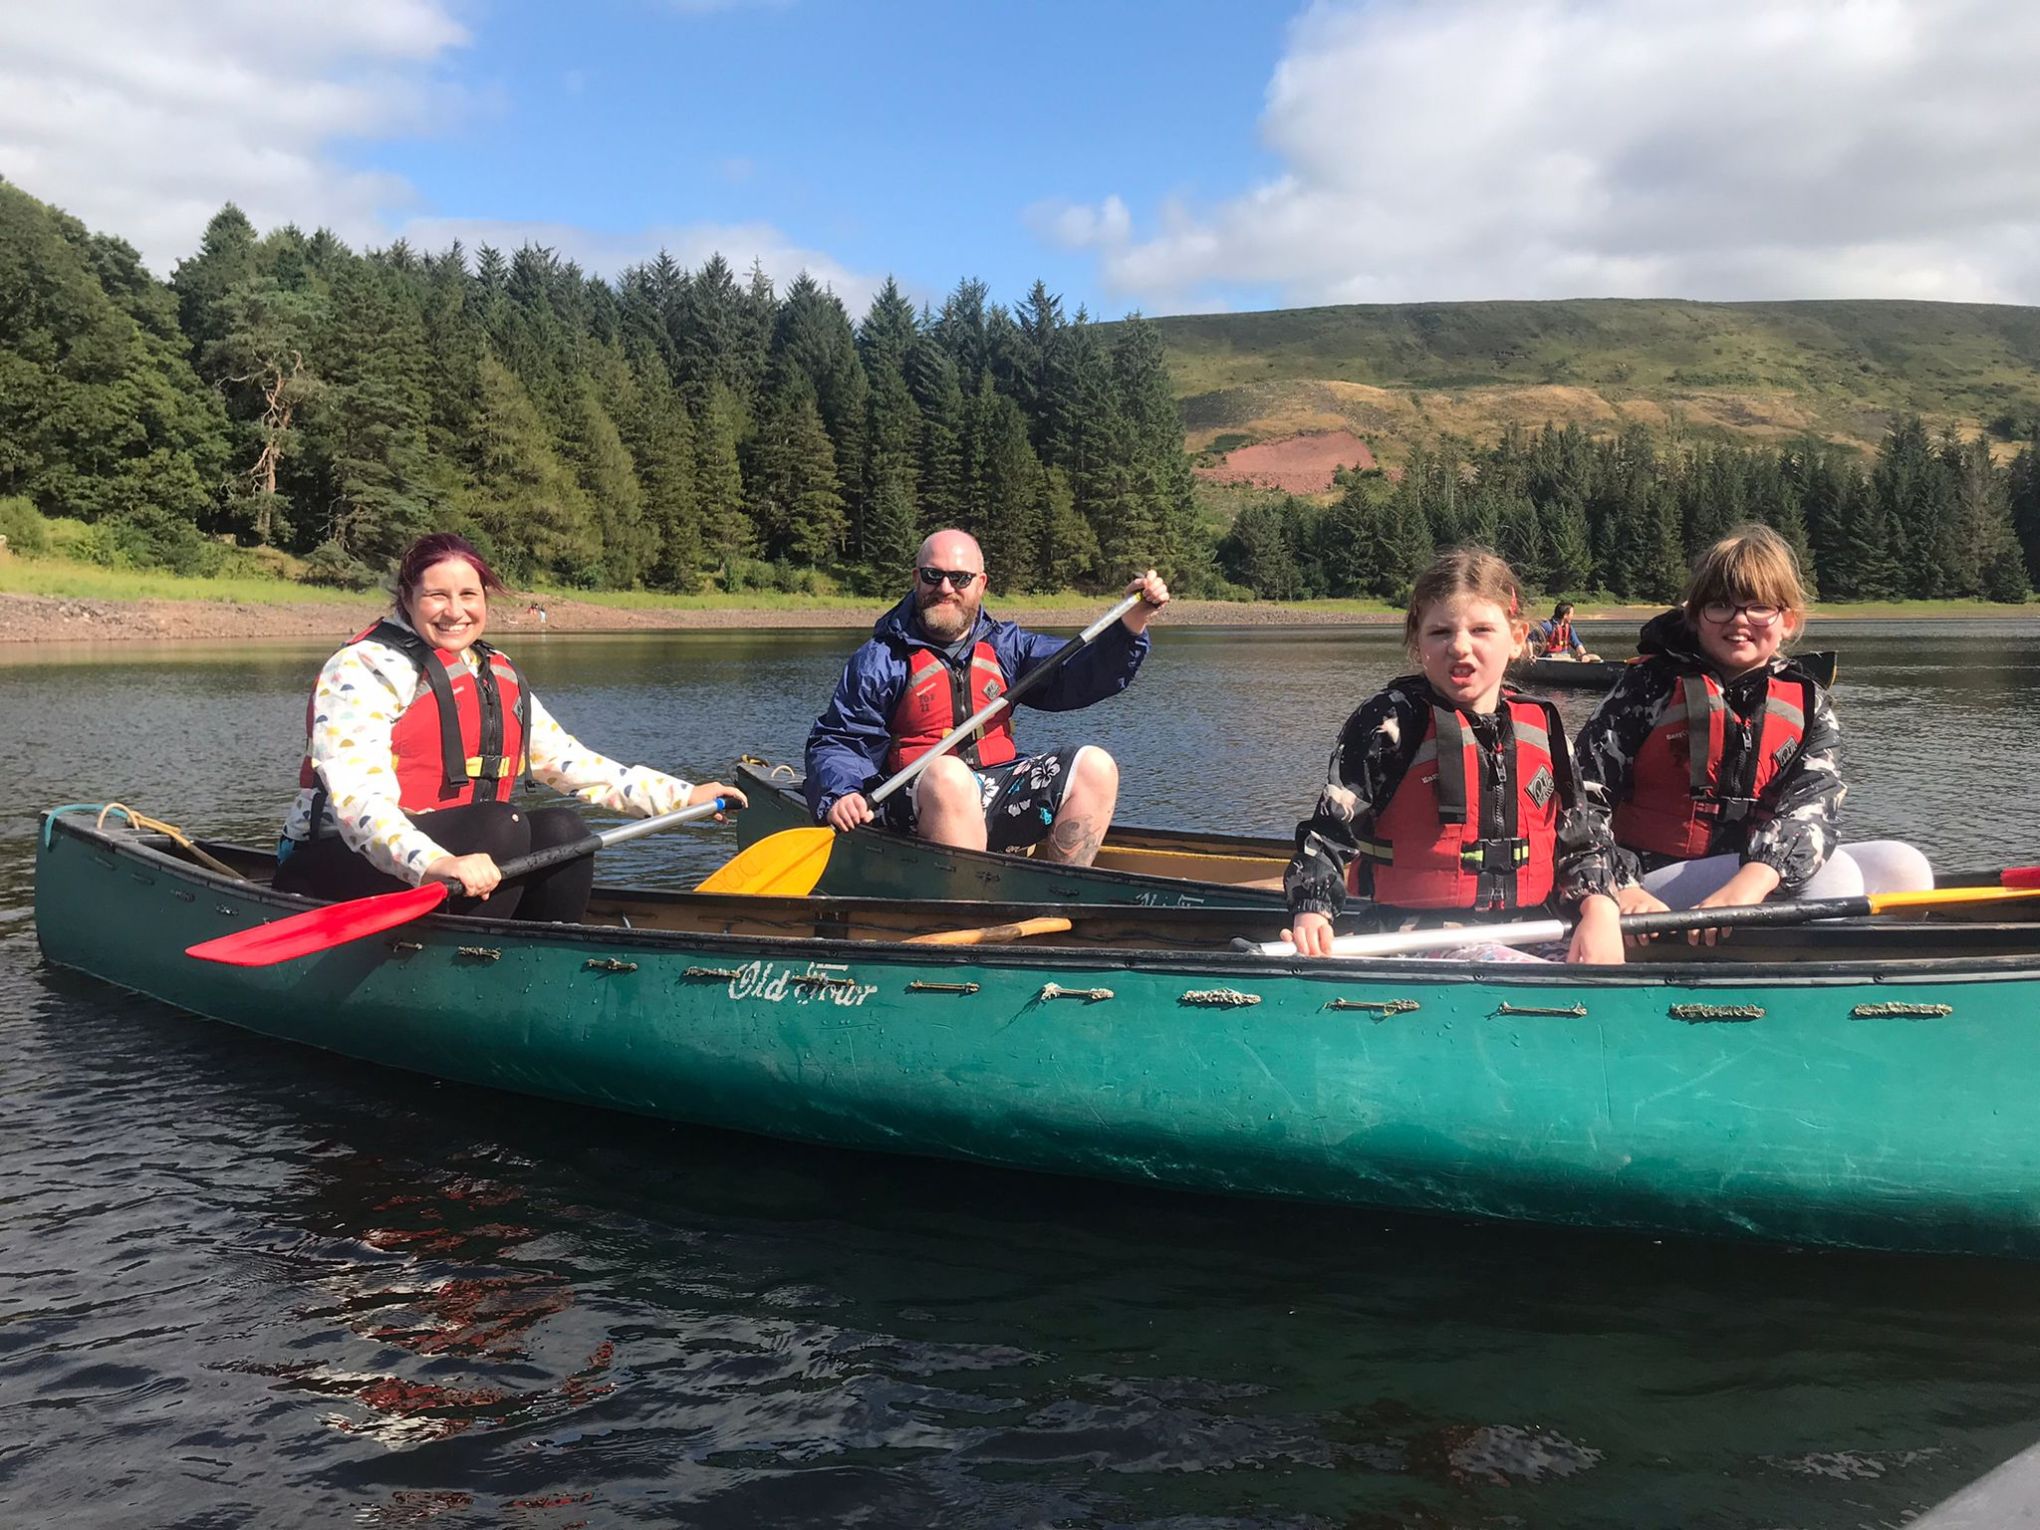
[1148, 867]
[1847, 1103]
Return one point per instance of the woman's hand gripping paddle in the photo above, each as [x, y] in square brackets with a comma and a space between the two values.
[1532, 932]
[336, 924]
[789, 864]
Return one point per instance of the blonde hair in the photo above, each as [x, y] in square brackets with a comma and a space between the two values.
[1463, 571]
[1751, 563]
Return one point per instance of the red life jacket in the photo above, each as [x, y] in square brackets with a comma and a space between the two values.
[1677, 795]
[1559, 639]
[462, 739]
[938, 697]
[1441, 842]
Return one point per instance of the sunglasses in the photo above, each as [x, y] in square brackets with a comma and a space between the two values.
[1722, 612]
[959, 578]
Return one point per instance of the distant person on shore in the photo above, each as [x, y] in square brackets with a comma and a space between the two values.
[1719, 757]
[935, 660]
[1554, 638]
[1450, 795]
[418, 733]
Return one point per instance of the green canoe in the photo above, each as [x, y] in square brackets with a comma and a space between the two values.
[1867, 1084]
[1601, 674]
[1156, 868]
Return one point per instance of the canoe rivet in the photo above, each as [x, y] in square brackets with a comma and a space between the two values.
[182, 896]
[1088, 995]
[1895, 1009]
[718, 974]
[406, 947]
[1716, 1011]
[1563, 1012]
[1223, 997]
[917, 986]
[146, 881]
[607, 964]
[221, 908]
[1381, 1007]
[480, 953]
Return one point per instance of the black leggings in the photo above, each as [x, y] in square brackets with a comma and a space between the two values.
[326, 868]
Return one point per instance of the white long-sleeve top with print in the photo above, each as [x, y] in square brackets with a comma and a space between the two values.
[361, 693]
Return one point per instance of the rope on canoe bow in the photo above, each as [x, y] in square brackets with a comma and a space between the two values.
[143, 823]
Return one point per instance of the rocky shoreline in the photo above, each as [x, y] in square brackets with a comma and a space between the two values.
[61, 619]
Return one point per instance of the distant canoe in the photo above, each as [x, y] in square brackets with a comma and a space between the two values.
[1599, 675]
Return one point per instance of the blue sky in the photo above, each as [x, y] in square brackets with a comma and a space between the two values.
[1177, 156]
[909, 139]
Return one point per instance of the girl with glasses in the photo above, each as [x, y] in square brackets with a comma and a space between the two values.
[1719, 758]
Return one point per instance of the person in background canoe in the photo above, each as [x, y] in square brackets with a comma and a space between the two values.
[1719, 758]
[417, 733]
[1450, 795]
[1555, 638]
[933, 661]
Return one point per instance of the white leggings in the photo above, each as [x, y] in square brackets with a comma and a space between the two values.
[1871, 866]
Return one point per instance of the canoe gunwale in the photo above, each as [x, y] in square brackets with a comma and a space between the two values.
[1797, 974]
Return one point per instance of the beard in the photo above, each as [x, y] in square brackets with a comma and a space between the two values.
[946, 621]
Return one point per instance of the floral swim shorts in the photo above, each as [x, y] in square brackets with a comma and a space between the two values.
[1019, 798]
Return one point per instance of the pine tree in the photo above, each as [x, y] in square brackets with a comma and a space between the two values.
[726, 531]
[655, 428]
[525, 506]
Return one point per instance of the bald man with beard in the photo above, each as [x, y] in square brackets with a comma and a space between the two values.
[934, 661]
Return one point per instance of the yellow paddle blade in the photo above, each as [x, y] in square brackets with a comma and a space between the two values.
[783, 865]
[1940, 896]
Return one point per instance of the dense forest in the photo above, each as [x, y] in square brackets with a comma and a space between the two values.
[676, 429]
[286, 392]
[1932, 517]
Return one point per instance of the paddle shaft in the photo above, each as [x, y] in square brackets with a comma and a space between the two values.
[588, 844]
[993, 708]
[1532, 932]
[336, 924]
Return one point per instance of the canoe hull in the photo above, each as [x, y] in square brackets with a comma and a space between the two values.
[1499, 1091]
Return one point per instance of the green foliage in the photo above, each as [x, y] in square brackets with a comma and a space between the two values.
[25, 530]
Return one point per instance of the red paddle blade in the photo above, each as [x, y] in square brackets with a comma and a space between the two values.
[2021, 876]
[320, 929]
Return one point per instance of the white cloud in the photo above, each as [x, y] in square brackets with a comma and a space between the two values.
[689, 244]
[1647, 148]
[142, 118]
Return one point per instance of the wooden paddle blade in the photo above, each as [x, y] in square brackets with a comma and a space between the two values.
[783, 865]
[320, 929]
[992, 934]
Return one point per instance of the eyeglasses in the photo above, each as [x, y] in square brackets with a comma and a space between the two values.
[959, 578]
[1722, 612]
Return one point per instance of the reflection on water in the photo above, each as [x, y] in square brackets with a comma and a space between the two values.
[251, 1284]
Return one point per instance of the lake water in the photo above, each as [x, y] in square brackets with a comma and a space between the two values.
[243, 1284]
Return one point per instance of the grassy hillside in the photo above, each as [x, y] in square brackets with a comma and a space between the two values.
[1397, 373]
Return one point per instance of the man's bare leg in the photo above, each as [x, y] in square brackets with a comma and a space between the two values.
[946, 806]
[1086, 810]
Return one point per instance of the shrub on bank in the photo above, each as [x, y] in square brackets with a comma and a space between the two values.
[24, 527]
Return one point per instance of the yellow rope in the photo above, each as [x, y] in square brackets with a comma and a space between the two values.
[148, 825]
